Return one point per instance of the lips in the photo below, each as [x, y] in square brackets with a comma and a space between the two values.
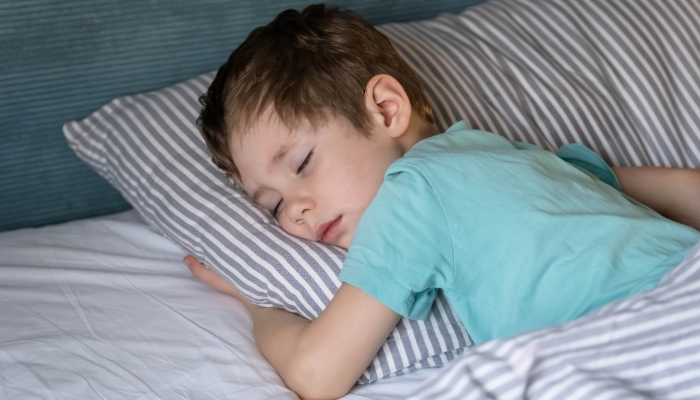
[327, 231]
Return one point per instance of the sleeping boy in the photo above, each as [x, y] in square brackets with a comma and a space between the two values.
[320, 121]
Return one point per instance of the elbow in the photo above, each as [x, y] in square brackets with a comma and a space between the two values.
[310, 380]
[318, 394]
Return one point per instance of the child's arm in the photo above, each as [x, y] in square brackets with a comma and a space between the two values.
[672, 192]
[319, 359]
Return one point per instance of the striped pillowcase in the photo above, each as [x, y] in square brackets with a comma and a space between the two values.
[622, 77]
[544, 72]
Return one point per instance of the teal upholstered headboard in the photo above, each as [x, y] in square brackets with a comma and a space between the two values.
[62, 59]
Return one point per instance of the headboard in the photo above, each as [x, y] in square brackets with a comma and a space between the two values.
[61, 60]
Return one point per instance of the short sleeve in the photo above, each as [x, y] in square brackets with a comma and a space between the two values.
[401, 253]
[586, 159]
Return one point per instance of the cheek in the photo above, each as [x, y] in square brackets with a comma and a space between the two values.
[353, 176]
[363, 179]
[348, 187]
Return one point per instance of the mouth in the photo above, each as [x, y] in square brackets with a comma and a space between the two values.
[327, 232]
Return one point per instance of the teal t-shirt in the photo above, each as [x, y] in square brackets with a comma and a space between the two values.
[516, 237]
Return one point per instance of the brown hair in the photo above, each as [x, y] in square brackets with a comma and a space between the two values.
[310, 64]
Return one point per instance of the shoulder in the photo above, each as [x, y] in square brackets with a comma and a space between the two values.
[458, 155]
[408, 197]
[444, 149]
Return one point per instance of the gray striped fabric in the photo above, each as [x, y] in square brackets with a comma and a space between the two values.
[643, 347]
[612, 75]
[622, 77]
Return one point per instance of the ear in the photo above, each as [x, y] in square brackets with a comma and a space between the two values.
[387, 105]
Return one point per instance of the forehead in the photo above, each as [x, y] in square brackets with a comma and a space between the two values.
[255, 150]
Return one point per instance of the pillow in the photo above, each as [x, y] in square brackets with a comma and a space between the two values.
[543, 72]
[621, 77]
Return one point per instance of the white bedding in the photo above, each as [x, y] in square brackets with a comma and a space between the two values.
[104, 308]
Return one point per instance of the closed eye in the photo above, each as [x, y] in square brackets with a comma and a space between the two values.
[305, 162]
[301, 168]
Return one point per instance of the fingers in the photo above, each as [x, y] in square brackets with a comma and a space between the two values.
[196, 267]
[211, 278]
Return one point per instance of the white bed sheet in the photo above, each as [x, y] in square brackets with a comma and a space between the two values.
[104, 308]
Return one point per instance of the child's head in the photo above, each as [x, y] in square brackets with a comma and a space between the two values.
[308, 113]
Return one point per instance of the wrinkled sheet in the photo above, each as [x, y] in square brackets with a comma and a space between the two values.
[104, 308]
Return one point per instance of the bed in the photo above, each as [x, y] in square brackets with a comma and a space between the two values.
[102, 307]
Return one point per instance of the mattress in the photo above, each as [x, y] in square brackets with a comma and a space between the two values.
[104, 308]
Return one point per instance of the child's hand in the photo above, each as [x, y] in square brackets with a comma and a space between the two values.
[319, 359]
[211, 278]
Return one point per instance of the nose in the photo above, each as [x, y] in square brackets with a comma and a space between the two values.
[297, 207]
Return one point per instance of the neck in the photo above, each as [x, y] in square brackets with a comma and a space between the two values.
[418, 130]
[428, 131]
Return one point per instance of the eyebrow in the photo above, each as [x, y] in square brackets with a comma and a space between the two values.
[283, 150]
[279, 155]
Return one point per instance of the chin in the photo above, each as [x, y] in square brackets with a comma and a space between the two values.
[345, 243]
